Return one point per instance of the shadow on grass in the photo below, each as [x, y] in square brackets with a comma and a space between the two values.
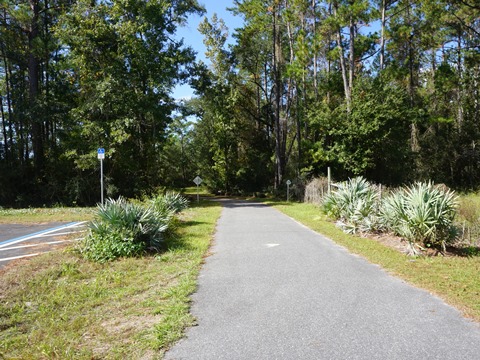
[173, 242]
[204, 203]
[178, 237]
[276, 202]
[468, 251]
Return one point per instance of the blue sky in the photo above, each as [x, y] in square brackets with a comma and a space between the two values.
[194, 39]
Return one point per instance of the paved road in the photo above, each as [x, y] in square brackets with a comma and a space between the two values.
[25, 240]
[275, 290]
[12, 231]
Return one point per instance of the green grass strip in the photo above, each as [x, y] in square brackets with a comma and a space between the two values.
[36, 215]
[455, 279]
[60, 306]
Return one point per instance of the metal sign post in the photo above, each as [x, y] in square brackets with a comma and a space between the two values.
[101, 156]
[329, 177]
[288, 189]
[198, 180]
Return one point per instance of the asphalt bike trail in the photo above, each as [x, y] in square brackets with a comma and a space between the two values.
[273, 289]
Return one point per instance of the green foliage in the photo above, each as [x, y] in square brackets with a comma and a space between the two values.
[126, 71]
[75, 76]
[177, 155]
[392, 211]
[302, 89]
[106, 243]
[353, 204]
[126, 229]
[422, 213]
[170, 202]
[231, 152]
[373, 140]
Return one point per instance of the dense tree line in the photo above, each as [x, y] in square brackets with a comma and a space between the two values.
[79, 75]
[385, 89]
[381, 88]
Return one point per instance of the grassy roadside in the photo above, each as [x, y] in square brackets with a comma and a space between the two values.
[39, 215]
[455, 279]
[59, 306]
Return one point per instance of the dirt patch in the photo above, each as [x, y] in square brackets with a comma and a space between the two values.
[391, 241]
[124, 328]
[402, 246]
[127, 326]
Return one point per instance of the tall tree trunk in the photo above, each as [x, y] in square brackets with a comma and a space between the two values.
[459, 76]
[315, 55]
[269, 120]
[351, 55]
[329, 62]
[411, 86]
[33, 73]
[343, 66]
[48, 120]
[277, 75]
[10, 139]
[295, 94]
[300, 105]
[382, 34]
[4, 131]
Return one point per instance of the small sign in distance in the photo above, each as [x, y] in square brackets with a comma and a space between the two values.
[198, 180]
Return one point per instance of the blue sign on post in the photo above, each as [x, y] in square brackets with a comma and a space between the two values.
[101, 156]
[101, 153]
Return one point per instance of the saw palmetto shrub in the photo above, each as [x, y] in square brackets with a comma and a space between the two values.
[354, 205]
[171, 201]
[128, 229]
[422, 213]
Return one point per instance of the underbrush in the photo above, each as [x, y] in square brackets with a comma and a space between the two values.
[468, 222]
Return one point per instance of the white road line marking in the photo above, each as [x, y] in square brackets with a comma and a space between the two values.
[20, 257]
[57, 234]
[33, 245]
[24, 238]
[78, 224]
[271, 245]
